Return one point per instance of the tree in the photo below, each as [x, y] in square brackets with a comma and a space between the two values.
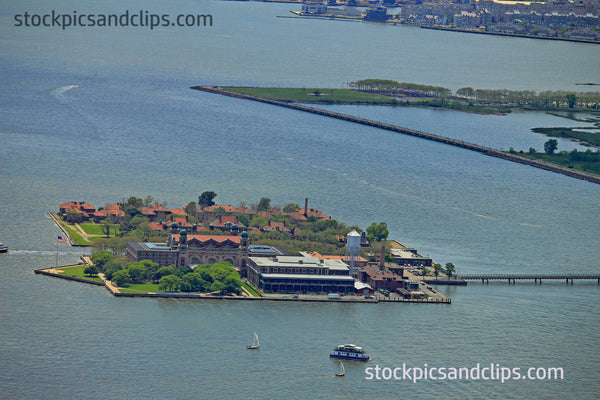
[148, 201]
[90, 270]
[120, 277]
[135, 202]
[206, 199]
[437, 268]
[110, 268]
[466, 92]
[232, 284]
[450, 269]
[425, 272]
[377, 232]
[259, 221]
[264, 204]
[164, 271]
[73, 216]
[169, 283]
[136, 270]
[571, 99]
[193, 282]
[191, 209]
[106, 228]
[217, 286]
[290, 208]
[550, 146]
[100, 258]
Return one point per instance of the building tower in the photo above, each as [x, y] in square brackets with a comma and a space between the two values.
[353, 252]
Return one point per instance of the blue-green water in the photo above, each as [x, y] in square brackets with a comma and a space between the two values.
[132, 126]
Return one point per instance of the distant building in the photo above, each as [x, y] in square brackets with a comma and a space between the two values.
[381, 278]
[314, 8]
[184, 250]
[299, 274]
[410, 257]
[227, 223]
[378, 14]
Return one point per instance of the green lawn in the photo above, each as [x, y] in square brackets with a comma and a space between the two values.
[306, 95]
[591, 163]
[585, 135]
[251, 289]
[140, 287]
[94, 229]
[74, 235]
[78, 272]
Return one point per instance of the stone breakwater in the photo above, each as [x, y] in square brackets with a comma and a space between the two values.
[405, 131]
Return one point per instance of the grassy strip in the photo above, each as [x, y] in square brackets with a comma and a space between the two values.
[77, 271]
[140, 287]
[250, 289]
[92, 228]
[591, 165]
[589, 138]
[314, 95]
[350, 96]
[74, 235]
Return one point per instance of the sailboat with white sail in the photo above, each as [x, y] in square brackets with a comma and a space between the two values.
[255, 343]
[342, 370]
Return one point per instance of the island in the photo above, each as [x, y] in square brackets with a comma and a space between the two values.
[249, 252]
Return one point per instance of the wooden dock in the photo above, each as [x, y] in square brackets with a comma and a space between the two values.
[429, 136]
[537, 278]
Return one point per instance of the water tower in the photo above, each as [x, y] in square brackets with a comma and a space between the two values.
[353, 252]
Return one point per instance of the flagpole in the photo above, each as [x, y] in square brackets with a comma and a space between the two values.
[56, 265]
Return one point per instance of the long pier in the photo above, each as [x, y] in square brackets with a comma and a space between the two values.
[511, 278]
[411, 132]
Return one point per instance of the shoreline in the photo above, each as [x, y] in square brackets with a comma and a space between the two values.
[334, 17]
[411, 132]
[53, 272]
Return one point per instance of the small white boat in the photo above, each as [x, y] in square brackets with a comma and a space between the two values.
[3, 248]
[255, 343]
[342, 370]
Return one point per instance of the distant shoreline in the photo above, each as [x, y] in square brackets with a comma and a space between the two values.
[440, 28]
[411, 132]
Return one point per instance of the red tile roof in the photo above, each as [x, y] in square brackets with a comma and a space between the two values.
[228, 209]
[178, 211]
[223, 220]
[148, 211]
[208, 238]
[157, 227]
[106, 212]
[313, 212]
[160, 207]
[181, 221]
[276, 226]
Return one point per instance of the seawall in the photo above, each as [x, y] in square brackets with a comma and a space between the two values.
[405, 131]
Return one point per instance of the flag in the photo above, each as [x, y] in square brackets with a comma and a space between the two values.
[62, 239]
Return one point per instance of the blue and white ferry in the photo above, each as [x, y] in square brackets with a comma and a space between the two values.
[349, 352]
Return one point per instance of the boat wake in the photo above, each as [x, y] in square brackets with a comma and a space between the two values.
[61, 90]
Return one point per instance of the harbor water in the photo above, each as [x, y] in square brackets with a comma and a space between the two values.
[101, 114]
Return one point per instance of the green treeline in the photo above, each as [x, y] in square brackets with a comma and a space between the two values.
[524, 98]
[221, 278]
[587, 161]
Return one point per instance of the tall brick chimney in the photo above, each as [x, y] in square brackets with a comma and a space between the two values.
[382, 259]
